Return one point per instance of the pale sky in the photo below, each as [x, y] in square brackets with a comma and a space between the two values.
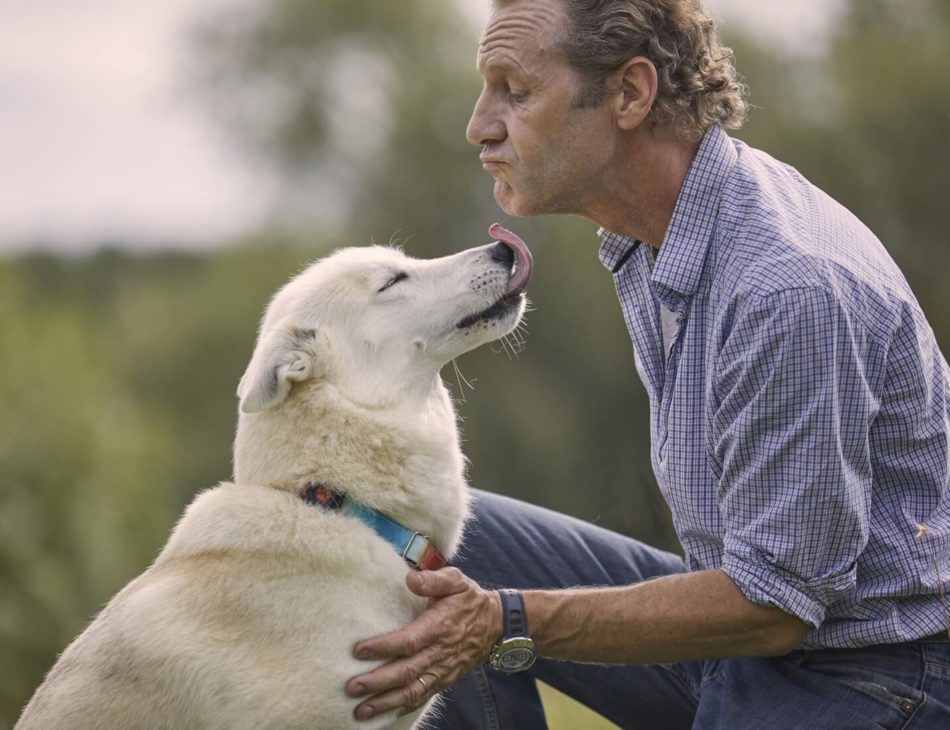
[100, 141]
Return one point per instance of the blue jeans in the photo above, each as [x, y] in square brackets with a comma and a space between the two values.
[517, 545]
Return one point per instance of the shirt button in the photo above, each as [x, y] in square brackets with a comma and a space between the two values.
[908, 706]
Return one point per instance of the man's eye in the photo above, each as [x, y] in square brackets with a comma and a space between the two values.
[517, 97]
[398, 277]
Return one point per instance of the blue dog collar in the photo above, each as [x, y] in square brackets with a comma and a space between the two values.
[414, 547]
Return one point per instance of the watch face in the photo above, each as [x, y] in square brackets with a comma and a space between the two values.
[515, 659]
[514, 655]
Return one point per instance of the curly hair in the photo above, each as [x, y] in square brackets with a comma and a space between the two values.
[697, 82]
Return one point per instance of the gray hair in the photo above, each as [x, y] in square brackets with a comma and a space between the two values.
[697, 82]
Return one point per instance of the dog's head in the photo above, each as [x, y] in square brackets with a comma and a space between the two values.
[378, 325]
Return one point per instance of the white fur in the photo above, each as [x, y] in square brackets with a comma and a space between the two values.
[248, 616]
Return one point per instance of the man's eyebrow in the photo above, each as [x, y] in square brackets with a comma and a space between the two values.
[498, 66]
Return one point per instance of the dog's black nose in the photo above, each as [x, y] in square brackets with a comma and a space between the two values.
[503, 255]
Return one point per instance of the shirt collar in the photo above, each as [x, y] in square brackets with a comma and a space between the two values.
[679, 266]
[615, 249]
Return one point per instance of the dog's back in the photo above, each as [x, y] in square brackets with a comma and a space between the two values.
[246, 619]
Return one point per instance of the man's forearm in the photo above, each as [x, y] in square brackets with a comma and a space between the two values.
[673, 618]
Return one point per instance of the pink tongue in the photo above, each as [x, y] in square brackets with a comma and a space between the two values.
[525, 262]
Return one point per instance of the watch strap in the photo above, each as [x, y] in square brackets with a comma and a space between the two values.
[515, 620]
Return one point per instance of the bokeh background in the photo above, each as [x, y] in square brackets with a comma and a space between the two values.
[165, 166]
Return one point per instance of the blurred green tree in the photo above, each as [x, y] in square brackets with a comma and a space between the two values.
[868, 121]
[359, 107]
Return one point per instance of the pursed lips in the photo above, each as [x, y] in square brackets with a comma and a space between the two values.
[488, 159]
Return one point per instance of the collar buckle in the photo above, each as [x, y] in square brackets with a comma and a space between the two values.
[409, 555]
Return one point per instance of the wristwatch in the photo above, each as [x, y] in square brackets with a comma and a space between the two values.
[515, 652]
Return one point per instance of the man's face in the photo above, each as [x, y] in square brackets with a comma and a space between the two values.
[545, 155]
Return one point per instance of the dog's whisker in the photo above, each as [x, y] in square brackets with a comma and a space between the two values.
[458, 379]
[461, 379]
[517, 336]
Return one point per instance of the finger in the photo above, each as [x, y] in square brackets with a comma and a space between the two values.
[410, 639]
[404, 699]
[427, 681]
[392, 675]
[437, 583]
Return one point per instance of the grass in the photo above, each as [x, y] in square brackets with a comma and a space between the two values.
[563, 713]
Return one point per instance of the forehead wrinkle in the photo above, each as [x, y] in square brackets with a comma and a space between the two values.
[508, 27]
[497, 60]
[503, 54]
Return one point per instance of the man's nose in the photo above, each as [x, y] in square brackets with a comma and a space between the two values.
[484, 127]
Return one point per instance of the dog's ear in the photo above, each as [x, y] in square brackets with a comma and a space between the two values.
[284, 355]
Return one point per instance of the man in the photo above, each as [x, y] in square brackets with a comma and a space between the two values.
[799, 410]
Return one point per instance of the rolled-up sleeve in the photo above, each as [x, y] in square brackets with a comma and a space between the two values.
[790, 442]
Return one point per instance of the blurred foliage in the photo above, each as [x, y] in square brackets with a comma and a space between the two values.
[869, 123]
[119, 371]
[359, 106]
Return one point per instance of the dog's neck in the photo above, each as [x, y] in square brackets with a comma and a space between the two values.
[404, 461]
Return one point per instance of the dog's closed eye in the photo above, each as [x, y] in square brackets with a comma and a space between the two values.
[397, 278]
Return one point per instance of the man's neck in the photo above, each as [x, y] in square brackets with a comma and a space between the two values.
[640, 194]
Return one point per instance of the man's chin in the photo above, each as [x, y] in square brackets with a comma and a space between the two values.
[509, 201]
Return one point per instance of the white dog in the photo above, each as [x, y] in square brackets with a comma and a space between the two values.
[248, 617]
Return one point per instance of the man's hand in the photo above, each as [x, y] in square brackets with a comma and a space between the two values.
[450, 638]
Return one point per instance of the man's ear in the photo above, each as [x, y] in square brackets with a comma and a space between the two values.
[637, 85]
[285, 354]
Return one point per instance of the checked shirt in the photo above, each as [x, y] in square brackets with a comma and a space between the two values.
[800, 416]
